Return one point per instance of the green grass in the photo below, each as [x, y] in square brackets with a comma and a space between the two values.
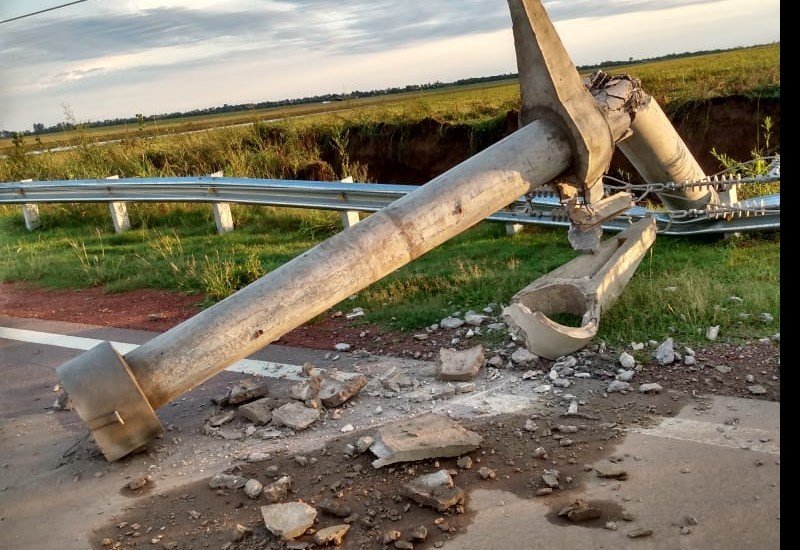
[175, 247]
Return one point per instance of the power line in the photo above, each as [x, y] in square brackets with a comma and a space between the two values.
[41, 11]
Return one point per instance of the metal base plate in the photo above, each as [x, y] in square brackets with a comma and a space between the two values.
[110, 401]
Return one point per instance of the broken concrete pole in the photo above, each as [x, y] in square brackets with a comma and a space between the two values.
[295, 415]
[289, 520]
[562, 128]
[426, 436]
[436, 490]
[337, 387]
[460, 366]
[585, 286]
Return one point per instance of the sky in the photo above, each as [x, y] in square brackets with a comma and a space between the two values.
[115, 58]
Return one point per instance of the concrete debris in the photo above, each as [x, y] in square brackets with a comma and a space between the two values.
[462, 365]
[766, 318]
[391, 536]
[496, 326]
[724, 369]
[757, 389]
[420, 336]
[627, 361]
[566, 429]
[363, 443]
[138, 482]
[637, 346]
[735, 299]
[650, 388]
[496, 361]
[562, 383]
[226, 481]
[531, 426]
[290, 520]
[609, 470]
[542, 388]
[278, 490]
[618, 386]
[640, 533]
[333, 507]
[689, 360]
[420, 533]
[625, 375]
[301, 460]
[244, 391]
[347, 428]
[253, 488]
[464, 462]
[451, 322]
[475, 319]
[331, 535]
[565, 442]
[259, 412]
[466, 387]
[403, 545]
[240, 532]
[566, 362]
[295, 415]
[665, 352]
[487, 473]
[436, 490]
[550, 480]
[712, 332]
[540, 452]
[531, 374]
[426, 436]
[611, 525]
[338, 387]
[543, 491]
[221, 418]
[342, 346]
[579, 511]
[523, 356]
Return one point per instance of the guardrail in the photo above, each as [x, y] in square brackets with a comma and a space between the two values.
[761, 214]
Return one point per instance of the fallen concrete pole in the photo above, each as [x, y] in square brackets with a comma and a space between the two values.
[574, 138]
[120, 413]
[585, 286]
[660, 155]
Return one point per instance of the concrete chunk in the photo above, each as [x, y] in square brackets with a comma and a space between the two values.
[259, 412]
[338, 387]
[246, 390]
[331, 535]
[435, 490]
[290, 520]
[277, 491]
[426, 436]
[295, 415]
[460, 366]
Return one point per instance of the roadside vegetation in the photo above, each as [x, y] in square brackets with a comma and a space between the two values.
[682, 287]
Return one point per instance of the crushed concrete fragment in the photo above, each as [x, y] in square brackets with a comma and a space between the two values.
[540, 452]
[487, 473]
[609, 470]
[464, 462]
[342, 346]
[650, 388]
[278, 490]
[245, 390]
[562, 383]
[451, 322]
[259, 412]
[460, 366]
[637, 346]
[757, 389]
[542, 388]
[425, 436]
[338, 387]
[565, 442]
[295, 415]
[138, 482]
[640, 533]
[217, 420]
[567, 361]
[363, 443]
[550, 480]
[626, 375]
[331, 535]
[611, 525]
[420, 533]
[289, 520]
[436, 490]
[567, 429]
[766, 318]
[240, 532]
[403, 545]
[724, 369]
[391, 536]
[226, 481]
[496, 361]
[689, 360]
[475, 319]
[543, 491]
[530, 425]
[579, 511]
[627, 361]
[347, 428]
[334, 507]
[665, 352]
[618, 386]
[253, 488]
[523, 356]
[712, 332]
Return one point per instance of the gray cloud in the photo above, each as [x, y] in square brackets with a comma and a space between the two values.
[328, 26]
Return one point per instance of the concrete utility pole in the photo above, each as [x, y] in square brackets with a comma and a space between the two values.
[567, 134]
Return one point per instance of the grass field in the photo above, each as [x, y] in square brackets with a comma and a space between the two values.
[682, 287]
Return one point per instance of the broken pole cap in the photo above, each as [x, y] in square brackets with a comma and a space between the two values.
[587, 286]
[551, 89]
[108, 398]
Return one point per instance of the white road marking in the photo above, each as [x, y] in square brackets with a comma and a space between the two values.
[710, 433]
[247, 366]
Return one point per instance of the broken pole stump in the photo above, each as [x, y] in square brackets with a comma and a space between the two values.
[30, 213]
[223, 218]
[349, 217]
[119, 213]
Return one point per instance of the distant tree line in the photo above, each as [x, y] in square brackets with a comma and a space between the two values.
[39, 128]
